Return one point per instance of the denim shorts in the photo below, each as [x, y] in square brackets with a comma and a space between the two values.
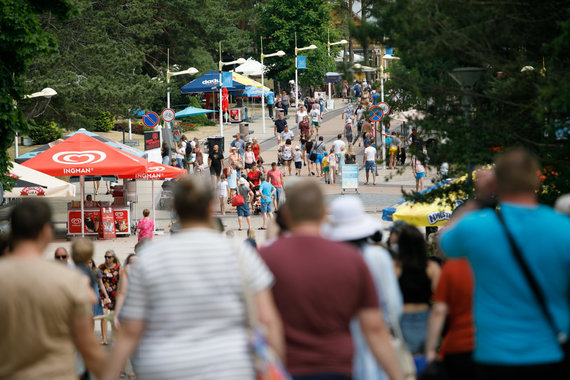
[319, 159]
[243, 210]
[420, 175]
[298, 164]
[414, 329]
[277, 194]
[370, 166]
[265, 206]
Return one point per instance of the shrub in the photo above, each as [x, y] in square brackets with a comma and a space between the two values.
[103, 122]
[45, 132]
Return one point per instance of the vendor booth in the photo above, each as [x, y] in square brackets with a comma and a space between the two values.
[83, 155]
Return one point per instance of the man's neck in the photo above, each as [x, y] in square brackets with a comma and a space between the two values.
[524, 199]
[28, 249]
[306, 229]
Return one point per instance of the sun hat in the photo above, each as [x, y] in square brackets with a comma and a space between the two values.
[563, 204]
[297, 147]
[233, 148]
[242, 181]
[349, 221]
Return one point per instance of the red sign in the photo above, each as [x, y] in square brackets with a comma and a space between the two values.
[92, 221]
[151, 140]
[122, 221]
[107, 223]
[32, 191]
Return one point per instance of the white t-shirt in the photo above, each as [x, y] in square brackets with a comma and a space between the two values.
[222, 188]
[338, 145]
[287, 135]
[370, 153]
[188, 290]
[300, 116]
[315, 114]
[297, 156]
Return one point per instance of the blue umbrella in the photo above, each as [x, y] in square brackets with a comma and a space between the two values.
[332, 77]
[192, 111]
[254, 92]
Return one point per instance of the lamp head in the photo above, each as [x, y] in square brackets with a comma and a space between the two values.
[390, 57]
[357, 66]
[312, 47]
[48, 92]
[240, 61]
[280, 53]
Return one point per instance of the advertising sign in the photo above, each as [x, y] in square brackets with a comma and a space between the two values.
[302, 62]
[349, 177]
[107, 223]
[151, 140]
[227, 80]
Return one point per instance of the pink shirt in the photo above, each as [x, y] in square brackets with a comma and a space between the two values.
[145, 227]
[275, 177]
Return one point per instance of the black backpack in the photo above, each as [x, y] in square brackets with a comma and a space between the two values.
[189, 149]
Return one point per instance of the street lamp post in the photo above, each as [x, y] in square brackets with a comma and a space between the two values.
[280, 53]
[45, 93]
[385, 57]
[221, 65]
[329, 44]
[169, 74]
[297, 50]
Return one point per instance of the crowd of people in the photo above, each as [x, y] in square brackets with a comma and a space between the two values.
[328, 293]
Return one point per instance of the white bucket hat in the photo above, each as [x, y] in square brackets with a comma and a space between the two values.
[349, 221]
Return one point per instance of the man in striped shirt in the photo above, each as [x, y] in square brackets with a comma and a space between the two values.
[184, 313]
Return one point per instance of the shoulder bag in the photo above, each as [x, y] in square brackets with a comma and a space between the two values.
[238, 200]
[561, 337]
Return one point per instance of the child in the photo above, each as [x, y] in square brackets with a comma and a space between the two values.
[326, 167]
[332, 160]
[232, 179]
[223, 191]
[298, 158]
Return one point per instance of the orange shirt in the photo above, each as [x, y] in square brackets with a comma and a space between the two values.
[455, 288]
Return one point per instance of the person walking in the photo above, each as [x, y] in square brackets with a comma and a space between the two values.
[195, 325]
[287, 155]
[275, 177]
[222, 190]
[315, 115]
[267, 193]
[285, 103]
[145, 226]
[298, 159]
[216, 163]
[300, 116]
[111, 271]
[516, 337]
[270, 103]
[419, 173]
[319, 149]
[320, 285]
[349, 223]
[243, 210]
[369, 162]
[45, 307]
[348, 132]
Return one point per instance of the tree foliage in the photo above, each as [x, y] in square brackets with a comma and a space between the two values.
[507, 106]
[278, 22]
[21, 40]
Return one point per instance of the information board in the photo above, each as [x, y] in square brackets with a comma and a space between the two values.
[349, 177]
[151, 140]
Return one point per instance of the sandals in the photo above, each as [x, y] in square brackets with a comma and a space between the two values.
[262, 228]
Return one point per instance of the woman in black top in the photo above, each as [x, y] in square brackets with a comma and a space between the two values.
[308, 149]
[418, 278]
[216, 163]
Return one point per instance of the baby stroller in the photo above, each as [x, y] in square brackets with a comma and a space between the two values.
[256, 203]
[280, 155]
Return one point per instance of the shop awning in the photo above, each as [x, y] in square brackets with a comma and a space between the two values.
[209, 82]
[192, 111]
[30, 183]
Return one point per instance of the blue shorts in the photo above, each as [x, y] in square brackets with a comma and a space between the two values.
[420, 175]
[370, 166]
[298, 164]
[319, 159]
[266, 206]
[277, 194]
[243, 210]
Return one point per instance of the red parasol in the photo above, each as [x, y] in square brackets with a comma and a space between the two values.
[83, 155]
[225, 100]
[159, 171]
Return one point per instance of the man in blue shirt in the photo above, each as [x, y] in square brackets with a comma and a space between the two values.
[267, 191]
[239, 144]
[514, 338]
[270, 103]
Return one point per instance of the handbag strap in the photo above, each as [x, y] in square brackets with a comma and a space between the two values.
[531, 280]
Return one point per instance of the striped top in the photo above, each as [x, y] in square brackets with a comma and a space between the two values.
[188, 290]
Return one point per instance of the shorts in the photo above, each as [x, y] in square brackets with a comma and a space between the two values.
[215, 170]
[243, 210]
[266, 206]
[248, 166]
[349, 139]
[298, 164]
[319, 159]
[370, 166]
[315, 123]
[325, 169]
[393, 150]
[277, 194]
[420, 175]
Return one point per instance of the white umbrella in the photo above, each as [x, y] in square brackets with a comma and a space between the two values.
[251, 67]
[30, 182]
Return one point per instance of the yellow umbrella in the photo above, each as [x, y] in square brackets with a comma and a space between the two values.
[247, 81]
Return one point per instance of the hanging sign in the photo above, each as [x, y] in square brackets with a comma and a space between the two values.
[302, 62]
[227, 79]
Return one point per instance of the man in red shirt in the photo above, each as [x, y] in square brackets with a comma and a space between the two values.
[276, 179]
[320, 285]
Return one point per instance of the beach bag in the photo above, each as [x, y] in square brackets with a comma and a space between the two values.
[238, 200]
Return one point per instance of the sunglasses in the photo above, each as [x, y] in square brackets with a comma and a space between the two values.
[61, 257]
[109, 257]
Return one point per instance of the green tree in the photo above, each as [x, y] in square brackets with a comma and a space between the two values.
[507, 106]
[21, 40]
[278, 22]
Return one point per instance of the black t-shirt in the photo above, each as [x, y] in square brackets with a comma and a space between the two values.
[308, 146]
[280, 124]
[216, 159]
[350, 159]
